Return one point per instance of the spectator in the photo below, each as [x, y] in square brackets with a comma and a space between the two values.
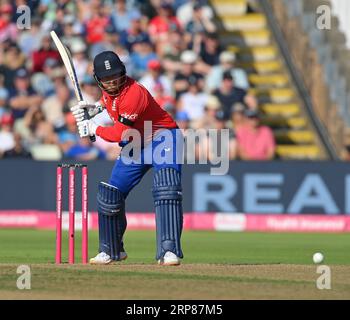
[199, 22]
[171, 52]
[45, 52]
[55, 19]
[110, 40]
[154, 77]
[251, 102]
[22, 97]
[227, 63]
[228, 93]
[56, 16]
[215, 143]
[85, 9]
[198, 26]
[18, 150]
[122, 16]
[90, 90]
[186, 11]
[143, 53]
[43, 82]
[13, 60]
[29, 39]
[8, 29]
[193, 102]
[78, 49]
[237, 115]
[95, 26]
[221, 145]
[255, 141]
[7, 141]
[208, 120]
[72, 28]
[54, 106]
[209, 52]
[160, 26]
[134, 34]
[39, 130]
[181, 81]
[68, 137]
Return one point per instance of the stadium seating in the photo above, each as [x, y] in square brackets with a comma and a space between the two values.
[247, 34]
[322, 58]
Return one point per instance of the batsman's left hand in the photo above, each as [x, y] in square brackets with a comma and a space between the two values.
[86, 128]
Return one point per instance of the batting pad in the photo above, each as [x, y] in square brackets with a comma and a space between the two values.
[111, 219]
[167, 194]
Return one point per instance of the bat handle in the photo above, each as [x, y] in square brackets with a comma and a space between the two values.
[87, 117]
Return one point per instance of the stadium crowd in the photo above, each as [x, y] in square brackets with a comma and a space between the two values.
[172, 48]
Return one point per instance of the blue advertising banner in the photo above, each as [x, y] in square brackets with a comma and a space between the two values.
[249, 187]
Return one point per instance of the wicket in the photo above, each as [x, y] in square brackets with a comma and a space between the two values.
[71, 208]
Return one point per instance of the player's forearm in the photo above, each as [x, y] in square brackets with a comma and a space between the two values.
[110, 134]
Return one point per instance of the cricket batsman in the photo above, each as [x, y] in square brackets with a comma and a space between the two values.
[130, 106]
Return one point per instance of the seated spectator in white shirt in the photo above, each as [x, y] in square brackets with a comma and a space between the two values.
[227, 63]
[193, 102]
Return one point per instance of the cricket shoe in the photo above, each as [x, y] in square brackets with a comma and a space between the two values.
[169, 259]
[104, 258]
[101, 258]
[123, 256]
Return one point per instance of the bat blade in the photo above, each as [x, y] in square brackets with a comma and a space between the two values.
[68, 63]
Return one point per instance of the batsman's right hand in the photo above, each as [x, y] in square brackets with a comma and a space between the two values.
[78, 110]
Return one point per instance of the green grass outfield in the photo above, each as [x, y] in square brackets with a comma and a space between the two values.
[217, 265]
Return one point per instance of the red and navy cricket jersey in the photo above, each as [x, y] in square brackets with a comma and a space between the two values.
[130, 109]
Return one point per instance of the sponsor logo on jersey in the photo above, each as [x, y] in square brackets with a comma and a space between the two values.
[130, 116]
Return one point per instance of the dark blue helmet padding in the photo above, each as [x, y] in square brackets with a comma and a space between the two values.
[111, 219]
[167, 194]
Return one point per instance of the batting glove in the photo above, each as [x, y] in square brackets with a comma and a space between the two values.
[86, 128]
[78, 110]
